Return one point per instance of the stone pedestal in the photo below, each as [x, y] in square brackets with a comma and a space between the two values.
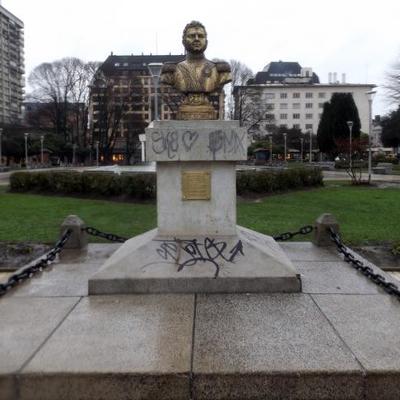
[197, 246]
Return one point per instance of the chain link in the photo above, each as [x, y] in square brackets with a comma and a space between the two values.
[305, 230]
[378, 279]
[39, 266]
[109, 236]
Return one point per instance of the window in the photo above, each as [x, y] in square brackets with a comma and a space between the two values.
[283, 106]
[309, 116]
[283, 95]
[309, 105]
[309, 95]
[296, 126]
[283, 126]
[296, 116]
[269, 117]
[321, 95]
[296, 106]
[269, 95]
[270, 107]
[309, 127]
[283, 116]
[296, 95]
[320, 105]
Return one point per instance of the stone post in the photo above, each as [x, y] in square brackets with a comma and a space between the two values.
[322, 236]
[78, 239]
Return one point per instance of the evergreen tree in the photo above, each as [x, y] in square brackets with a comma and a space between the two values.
[333, 124]
[391, 129]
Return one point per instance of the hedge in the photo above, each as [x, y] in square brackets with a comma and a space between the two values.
[142, 186]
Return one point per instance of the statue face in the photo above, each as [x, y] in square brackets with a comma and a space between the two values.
[195, 40]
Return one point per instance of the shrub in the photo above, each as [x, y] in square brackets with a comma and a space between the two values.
[142, 186]
[269, 181]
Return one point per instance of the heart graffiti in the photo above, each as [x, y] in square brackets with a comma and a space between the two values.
[189, 138]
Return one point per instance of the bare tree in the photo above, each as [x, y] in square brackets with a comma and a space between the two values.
[62, 86]
[241, 73]
[252, 110]
[392, 84]
[111, 105]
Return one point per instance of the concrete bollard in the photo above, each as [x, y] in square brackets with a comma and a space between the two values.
[322, 236]
[78, 238]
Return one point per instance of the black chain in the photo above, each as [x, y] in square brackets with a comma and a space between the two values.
[305, 230]
[109, 236]
[380, 280]
[40, 265]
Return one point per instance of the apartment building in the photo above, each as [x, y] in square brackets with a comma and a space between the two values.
[295, 97]
[12, 71]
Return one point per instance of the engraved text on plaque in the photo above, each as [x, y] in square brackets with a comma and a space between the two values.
[196, 185]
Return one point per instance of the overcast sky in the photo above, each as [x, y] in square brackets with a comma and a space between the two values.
[359, 38]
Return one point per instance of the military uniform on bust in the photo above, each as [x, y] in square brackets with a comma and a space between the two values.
[196, 77]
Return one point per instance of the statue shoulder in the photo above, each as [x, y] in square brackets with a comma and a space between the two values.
[223, 66]
[168, 67]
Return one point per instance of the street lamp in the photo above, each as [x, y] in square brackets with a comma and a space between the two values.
[301, 148]
[1, 149]
[270, 150]
[26, 149]
[41, 149]
[284, 138]
[310, 160]
[155, 71]
[370, 97]
[97, 153]
[350, 125]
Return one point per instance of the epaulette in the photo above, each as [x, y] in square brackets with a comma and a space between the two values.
[223, 66]
[168, 67]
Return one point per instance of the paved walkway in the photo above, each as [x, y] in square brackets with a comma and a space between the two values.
[337, 340]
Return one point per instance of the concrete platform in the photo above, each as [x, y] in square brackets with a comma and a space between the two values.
[338, 339]
[149, 263]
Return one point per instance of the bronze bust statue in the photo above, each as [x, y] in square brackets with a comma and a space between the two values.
[196, 77]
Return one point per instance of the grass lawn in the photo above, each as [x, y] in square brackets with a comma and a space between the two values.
[366, 215]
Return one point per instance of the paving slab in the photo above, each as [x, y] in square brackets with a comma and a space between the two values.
[269, 346]
[60, 280]
[333, 277]
[370, 325]
[307, 251]
[142, 339]
[25, 326]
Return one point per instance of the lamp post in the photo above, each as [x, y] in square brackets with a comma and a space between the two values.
[270, 150]
[284, 138]
[41, 149]
[350, 125]
[155, 71]
[370, 97]
[301, 148]
[26, 149]
[97, 153]
[1, 149]
[310, 160]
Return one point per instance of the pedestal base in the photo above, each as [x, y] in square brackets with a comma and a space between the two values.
[149, 263]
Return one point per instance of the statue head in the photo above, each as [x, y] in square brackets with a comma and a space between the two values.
[194, 37]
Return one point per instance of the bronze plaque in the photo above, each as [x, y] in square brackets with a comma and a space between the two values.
[196, 185]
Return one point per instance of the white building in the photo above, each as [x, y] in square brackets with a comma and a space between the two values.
[295, 98]
[11, 67]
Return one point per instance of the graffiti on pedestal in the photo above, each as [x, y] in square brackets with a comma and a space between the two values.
[217, 142]
[189, 252]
